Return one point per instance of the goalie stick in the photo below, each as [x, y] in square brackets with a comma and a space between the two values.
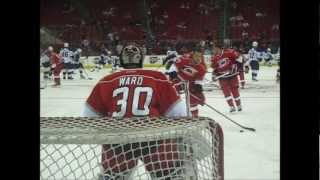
[225, 116]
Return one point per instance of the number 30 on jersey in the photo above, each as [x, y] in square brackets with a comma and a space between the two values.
[138, 91]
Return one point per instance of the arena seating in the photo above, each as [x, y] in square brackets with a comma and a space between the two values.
[197, 25]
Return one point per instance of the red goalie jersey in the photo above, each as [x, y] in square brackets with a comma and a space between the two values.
[225, 63]
[133, 93]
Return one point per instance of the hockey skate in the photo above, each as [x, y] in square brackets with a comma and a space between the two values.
[254, 79]
[232, 109]
[56, 84]
[82, 76]
[239, 108]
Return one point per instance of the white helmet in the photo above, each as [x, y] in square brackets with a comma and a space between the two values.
[79, 50]
[269, 50]
[255, 44]
[50, 48]
[66, 45]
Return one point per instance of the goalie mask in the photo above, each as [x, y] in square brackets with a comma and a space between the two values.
[131, 57]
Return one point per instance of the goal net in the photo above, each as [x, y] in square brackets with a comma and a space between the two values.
[134, 148]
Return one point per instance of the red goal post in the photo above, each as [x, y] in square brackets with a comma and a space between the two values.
[132, 148]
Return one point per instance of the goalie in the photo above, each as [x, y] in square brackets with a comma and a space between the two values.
[134, 92]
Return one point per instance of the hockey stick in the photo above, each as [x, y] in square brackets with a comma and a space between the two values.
[84, 70]
[186, 90]
[243, 127]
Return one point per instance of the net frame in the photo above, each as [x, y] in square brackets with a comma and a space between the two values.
[94, 132]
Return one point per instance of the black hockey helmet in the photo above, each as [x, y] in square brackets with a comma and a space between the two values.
[131, 57]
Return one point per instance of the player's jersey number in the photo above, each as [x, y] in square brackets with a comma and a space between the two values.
[65, 54]
[135, 102]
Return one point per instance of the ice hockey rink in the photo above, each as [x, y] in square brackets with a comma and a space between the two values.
[247, 155]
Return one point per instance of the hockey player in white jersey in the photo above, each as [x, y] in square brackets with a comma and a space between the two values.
[46, 64]
[254, 55]
[278, 61]
[268, 57]
[66, 56]
[171, 58]
[77, 64]
[103, 59]
[115, 62]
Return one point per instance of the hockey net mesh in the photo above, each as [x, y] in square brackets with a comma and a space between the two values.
[133, 148]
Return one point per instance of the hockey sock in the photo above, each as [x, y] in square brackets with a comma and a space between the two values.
[69, 75]
[46, 75]
[230, 101]
[237, 100]
[194, 110]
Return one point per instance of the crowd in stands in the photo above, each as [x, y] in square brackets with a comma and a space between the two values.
[97, 24]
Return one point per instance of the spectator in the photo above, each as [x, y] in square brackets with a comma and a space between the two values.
[244, 34]
[119, 48]
[128, 15]
[239, 17]
[86, 46]
[234, 5]
[182, 6]
[154, 5]
[110, 36]
[182, 25]
[67, 8]
[165, 15]
[245, 24]
[144, 49]
[259, 14]
[187, 6]
[275, 27]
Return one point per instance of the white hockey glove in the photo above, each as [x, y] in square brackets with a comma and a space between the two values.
[214, 78]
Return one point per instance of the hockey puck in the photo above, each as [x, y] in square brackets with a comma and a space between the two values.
[241, 130]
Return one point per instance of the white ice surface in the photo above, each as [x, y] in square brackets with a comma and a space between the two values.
[247, 155]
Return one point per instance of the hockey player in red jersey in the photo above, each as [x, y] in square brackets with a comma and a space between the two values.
[134, 92]
[56, 65]
[224, 64]
[190, 68]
